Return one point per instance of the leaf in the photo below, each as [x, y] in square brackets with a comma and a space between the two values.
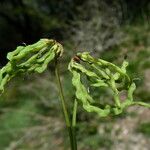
[102, 73]
[99, 83]
[31, 58]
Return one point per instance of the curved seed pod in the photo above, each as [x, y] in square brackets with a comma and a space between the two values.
[85, 56]
[101, 73]
[85, 98]
[31, 58]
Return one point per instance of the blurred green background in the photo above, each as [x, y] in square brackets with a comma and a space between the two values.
[30, 112]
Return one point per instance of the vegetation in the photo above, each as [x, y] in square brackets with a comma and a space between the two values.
[100, 73]
[30, 113]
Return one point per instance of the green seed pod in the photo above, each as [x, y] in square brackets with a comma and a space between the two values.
[30, 58]
[101, 73]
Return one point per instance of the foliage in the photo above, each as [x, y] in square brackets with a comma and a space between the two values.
[29, 108]
[100, 73]
[32, 58]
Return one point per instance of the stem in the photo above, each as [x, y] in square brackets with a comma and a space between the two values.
[62, 96]
[74, 123]
[142, 104]
[74, 113]
[64, 108]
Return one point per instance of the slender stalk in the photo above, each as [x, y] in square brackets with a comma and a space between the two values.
[74, 113]
[142, 104]
[68, 124]
[74, 123]
[64, 108]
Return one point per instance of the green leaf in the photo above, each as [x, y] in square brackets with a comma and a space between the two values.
[30, 58]
[102, 73]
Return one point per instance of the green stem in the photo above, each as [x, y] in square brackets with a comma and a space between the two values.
[74, 123]
[74, 113]
[142, 104]
[64, 108]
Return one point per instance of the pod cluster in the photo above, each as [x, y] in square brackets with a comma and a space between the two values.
[101, 73]
[31, 58]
